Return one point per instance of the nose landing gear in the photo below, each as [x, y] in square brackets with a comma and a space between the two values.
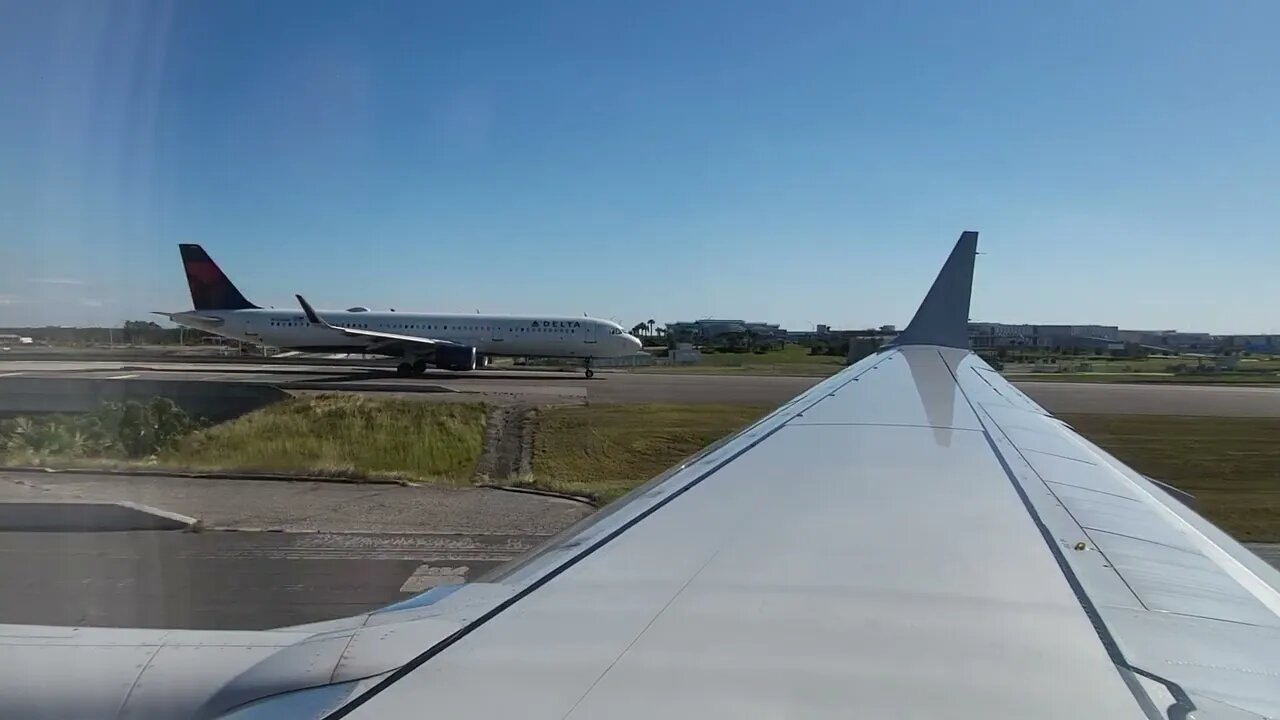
[586, 363]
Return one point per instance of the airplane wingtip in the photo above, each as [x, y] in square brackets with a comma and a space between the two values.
[943, 317]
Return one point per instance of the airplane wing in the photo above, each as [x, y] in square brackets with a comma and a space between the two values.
[911, 538]
[314, 317]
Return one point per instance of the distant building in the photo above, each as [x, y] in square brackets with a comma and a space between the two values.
[983, 335]
[1252, 343]
[710, 329]
[685, 354]
[1189, 341]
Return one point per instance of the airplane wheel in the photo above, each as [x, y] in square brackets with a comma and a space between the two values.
[404, 369]
[591, 373]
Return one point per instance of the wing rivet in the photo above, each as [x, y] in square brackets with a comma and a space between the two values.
[1080, 546]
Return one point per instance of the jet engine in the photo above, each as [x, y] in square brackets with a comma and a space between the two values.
[455, 358]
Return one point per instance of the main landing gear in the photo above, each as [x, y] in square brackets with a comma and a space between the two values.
[586, 363]
[409, 369]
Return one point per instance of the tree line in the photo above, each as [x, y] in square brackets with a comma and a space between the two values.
[133, 332]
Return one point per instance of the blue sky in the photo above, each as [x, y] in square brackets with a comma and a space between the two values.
[789, 162]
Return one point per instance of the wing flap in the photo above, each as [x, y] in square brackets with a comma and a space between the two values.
[1203, 622]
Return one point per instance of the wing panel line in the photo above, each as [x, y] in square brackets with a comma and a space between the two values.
[802, 423]
[554, 572]
[134, 685]
[1123, 668]
[1088, 529]
[1089, 489]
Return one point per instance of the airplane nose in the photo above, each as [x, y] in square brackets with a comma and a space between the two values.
[634, 343]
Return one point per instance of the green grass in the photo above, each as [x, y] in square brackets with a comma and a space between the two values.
[602, 451]
[795, 369]
[1152, 363]
[1188, 379]
[342, 436]
[791, 360]
[791, 354]
[1231, 465]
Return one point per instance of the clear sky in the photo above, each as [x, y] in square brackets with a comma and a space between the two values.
[798, 163]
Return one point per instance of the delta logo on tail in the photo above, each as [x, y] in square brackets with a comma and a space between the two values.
[210, 287]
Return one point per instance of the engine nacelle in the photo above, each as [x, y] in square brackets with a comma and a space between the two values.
[455, 358]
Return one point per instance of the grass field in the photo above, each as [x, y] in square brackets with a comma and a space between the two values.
[1159, 364]
[1140, 378]
[1231, 465]
[791, 360]
[602, 451]
[796, 360]
[343, 436]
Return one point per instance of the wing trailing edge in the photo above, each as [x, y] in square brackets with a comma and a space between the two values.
[943, 317]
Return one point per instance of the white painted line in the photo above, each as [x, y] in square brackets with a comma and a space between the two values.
[9, 374]
[428, 576]
[121, 377]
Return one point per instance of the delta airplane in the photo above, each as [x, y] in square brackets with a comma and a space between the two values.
[450, 342]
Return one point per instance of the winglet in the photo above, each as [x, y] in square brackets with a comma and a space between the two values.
[943, 317]
[310, 312]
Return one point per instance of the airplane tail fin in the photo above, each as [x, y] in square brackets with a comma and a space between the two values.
[210, 287]
[943, 317]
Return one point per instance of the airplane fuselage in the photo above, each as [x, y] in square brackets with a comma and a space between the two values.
[534, 335]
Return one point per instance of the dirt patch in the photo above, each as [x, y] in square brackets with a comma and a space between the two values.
[507, 444]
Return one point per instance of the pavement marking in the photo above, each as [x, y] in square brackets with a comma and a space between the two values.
[428, 576]
[9, 374]
[122, 377]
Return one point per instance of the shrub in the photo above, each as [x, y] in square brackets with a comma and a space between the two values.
[131, 429]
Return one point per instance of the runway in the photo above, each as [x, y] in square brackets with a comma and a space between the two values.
[554, 387]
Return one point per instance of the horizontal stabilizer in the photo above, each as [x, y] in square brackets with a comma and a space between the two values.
[943, 317]
[192, 320]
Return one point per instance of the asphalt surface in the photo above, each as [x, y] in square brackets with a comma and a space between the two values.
[229, 580]
[1155, 399]
[300, 506]
[554, 387]
[1267, 551]
[277, 553]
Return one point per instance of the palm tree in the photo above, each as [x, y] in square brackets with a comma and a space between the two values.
[650, 324]
[638, 329]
